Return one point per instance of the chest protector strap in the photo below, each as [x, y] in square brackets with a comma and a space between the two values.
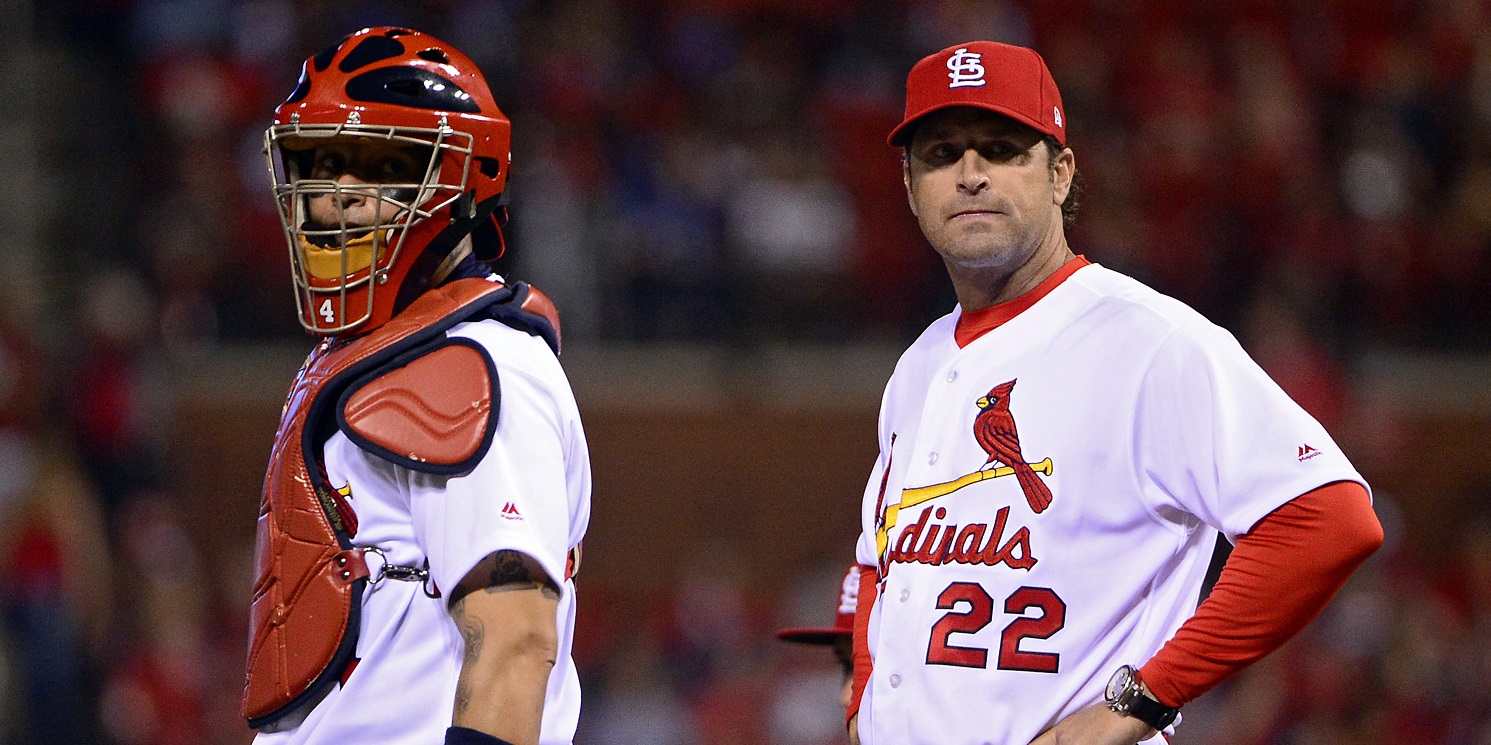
[309, 578]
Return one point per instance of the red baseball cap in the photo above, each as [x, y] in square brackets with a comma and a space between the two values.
[843, 627]
[1009, 80]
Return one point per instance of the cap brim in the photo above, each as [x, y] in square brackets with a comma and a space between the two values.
[823, 636]
[902, 133]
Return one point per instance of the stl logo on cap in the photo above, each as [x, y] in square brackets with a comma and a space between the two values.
[1005, 79]
[849, 591]
[965, 70]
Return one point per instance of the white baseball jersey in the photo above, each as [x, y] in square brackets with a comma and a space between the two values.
[530, 493]
[1138, 430]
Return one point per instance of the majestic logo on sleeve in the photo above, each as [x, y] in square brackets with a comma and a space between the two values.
[975, 543]
[965, 69]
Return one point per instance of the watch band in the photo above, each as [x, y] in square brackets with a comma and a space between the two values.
[1125, 696]
[1150, 711]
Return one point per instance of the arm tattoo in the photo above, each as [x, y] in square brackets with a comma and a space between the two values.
[473, 634]
[511, 573]
[510, 570]
[463, 696]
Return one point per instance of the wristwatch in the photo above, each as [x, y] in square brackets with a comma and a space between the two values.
[1126, 696]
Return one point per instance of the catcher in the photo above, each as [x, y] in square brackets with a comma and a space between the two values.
[429, 483]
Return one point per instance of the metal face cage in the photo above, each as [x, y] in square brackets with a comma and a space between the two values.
[339, 300]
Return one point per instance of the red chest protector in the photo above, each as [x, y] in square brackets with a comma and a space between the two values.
[309, 579]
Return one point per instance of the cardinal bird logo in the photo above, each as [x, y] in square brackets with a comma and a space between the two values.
[994, 428]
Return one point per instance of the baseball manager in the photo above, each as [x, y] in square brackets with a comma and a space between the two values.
[1058, 456]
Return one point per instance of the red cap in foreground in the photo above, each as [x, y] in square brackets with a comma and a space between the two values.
[1009, 80]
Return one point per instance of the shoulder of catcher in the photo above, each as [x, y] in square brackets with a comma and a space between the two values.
[432, 409]
[530, 310]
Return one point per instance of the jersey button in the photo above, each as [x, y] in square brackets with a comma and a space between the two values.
[952, 375]
[931, 458]
[895, 681]
[905, 594]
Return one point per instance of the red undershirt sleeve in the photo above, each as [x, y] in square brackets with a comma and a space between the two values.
[1279, 577]
[868, 578]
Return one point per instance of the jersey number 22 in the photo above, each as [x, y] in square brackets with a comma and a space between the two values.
[978, 615]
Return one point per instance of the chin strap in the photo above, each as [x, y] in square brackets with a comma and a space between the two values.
[437, 256]
[452, 260]
[487, 240]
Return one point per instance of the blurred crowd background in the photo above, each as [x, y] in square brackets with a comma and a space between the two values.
[1315, 175]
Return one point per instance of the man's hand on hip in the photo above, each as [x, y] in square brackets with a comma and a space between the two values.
[1095, 725]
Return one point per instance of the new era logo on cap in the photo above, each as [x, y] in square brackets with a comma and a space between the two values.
[1001, 78]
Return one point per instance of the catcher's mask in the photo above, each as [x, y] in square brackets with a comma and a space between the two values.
[386, 90]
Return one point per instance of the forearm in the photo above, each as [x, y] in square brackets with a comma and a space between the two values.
[1279, 577]
[507, 623]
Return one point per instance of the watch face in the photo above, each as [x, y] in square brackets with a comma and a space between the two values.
[1118, 683]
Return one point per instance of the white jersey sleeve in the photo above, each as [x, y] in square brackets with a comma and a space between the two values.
[864, 548]
[530, 492]
[1218, 439]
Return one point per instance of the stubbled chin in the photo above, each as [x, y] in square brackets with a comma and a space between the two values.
[982, 250]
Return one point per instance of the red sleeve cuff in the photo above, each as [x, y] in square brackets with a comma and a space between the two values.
[868, 585]
[1282, 573]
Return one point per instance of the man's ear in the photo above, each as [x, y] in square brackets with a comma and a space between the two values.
[906, 180]
[1063, 168]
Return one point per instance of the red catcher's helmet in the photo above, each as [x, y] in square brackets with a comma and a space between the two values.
[400, 86]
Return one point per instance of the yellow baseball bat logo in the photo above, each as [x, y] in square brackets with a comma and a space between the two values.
[913, 497]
